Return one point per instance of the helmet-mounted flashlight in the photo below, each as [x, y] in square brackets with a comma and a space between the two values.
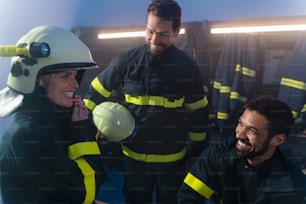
[34, 50]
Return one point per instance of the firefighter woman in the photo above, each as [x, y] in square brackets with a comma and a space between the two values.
[49, 152]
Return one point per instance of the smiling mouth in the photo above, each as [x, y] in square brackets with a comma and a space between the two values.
[243, 145]
[69, 94]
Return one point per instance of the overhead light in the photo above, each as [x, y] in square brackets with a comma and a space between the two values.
[121, 35]
[257, 29]
[128, 34]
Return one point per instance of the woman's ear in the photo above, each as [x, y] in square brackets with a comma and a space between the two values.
[44, 80]
[278, 139]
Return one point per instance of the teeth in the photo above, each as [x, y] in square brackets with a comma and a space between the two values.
[240, 143]
[69, 94]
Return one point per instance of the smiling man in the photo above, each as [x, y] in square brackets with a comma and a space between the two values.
[252, 169]
[163, 89]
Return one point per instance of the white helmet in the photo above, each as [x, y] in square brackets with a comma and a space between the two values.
[44, 49]
[67, 51]
[114, 121]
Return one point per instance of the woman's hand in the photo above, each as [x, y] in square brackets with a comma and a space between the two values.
[79, 112]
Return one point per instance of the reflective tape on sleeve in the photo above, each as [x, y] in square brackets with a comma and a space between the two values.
[96, 84]
[89, 104]
[198, 186]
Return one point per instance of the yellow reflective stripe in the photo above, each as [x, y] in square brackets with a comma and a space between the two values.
[99, 88]
[222, 115]
[97, 135]
[245, 71]
[217, 85]
[293, 83]
[83, 148]
[153, 157]
[198, 104]
[304, 108]
[89, 104]
[225, 89]
[198, 186]
[248, 72]
[237, 69]
[194, 136]
[212, 116]
[154, 101]
[89, 180]
[294, 113]
[236, 96]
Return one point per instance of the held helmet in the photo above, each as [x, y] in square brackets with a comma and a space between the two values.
[114, 121]
[63, 51]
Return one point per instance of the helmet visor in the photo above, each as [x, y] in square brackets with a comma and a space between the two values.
[66, 67]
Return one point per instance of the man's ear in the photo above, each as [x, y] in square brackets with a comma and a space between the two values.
[177, 31]
[278, 139]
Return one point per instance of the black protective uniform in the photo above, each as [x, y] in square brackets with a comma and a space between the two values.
[45, 158]
[166, 97]
[219, 175]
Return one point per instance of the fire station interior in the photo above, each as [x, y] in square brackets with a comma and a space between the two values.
[272, 52]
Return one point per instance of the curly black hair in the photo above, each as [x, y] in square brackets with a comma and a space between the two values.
[275, 111]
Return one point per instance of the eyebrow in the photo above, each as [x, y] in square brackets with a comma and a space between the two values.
[253, 127]
[166, 31]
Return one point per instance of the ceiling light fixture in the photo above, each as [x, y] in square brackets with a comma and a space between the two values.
[257, 29]
[128, 34]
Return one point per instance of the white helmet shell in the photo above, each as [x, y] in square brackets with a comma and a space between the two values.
[114, 121]
[67, 51]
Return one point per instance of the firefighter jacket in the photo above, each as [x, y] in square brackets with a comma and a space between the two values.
[292, 89]
[166, 97]
[235, 77]
[219, 175]
[45, 158]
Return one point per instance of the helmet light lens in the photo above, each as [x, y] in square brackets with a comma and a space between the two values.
[39, 49]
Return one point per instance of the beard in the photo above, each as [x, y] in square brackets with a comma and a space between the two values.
[157, 50]
[254, 153]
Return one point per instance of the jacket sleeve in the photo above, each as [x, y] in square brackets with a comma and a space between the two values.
[104, 85]
[201, 181]
[196, 104]
[84, 150]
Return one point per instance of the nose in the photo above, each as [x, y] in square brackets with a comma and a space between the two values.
[241, 131]
[155, 38]
[74, 83]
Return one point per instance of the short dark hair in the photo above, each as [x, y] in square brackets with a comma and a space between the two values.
[166, 10]
[275, 111]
